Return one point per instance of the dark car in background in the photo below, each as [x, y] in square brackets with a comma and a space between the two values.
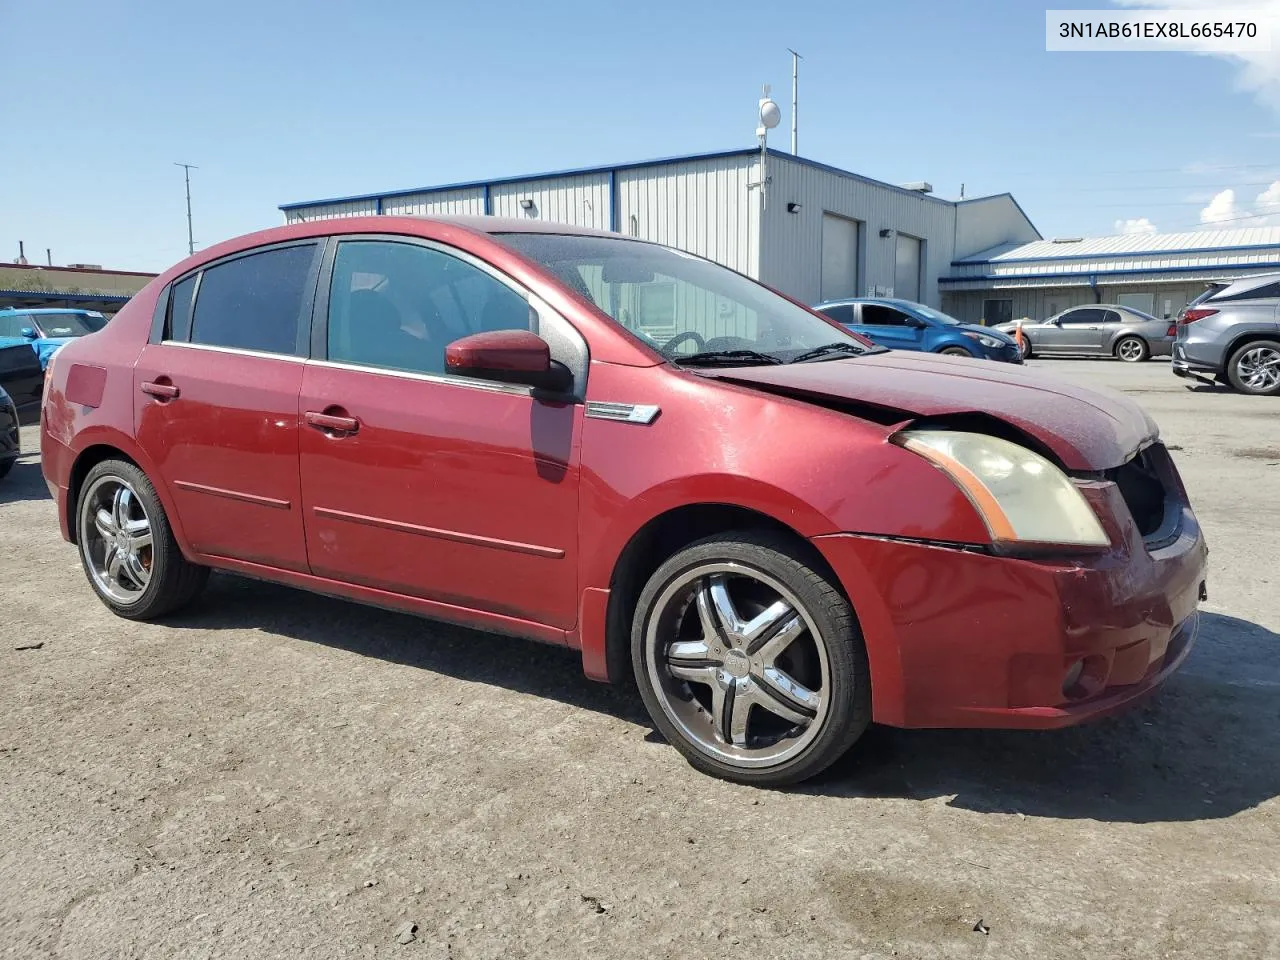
[1231, 334]
[1101, 330]
[21, 377]
[9, 446]
[907, 325]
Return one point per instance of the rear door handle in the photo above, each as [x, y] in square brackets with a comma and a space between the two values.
[163, 391]
[330, 423]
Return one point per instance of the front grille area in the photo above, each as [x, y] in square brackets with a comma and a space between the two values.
[1143, 488]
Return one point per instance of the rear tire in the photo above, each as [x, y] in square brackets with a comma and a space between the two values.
[1254, 368]
[1026, 347]
[127, 547]
[750, 661]
[1132, 349]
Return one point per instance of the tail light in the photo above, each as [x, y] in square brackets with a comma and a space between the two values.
[1172, 331]
[1197, 313]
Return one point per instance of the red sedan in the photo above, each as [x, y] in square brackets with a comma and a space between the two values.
[778, 530]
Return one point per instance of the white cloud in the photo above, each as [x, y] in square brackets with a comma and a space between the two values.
[1221, 207]
[1264, 213]
[1259, 69]
[1135, 225]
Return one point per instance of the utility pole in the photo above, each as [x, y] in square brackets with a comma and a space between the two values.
[795, 99]
[186, 172]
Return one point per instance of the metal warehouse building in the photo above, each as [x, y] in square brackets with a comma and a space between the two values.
[814, 232]
[1157, 273]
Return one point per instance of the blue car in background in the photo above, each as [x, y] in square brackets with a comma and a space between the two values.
[905, 325]
[47, 329]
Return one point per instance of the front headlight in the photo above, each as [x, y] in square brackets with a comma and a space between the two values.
[991, 343]
[1021, 496]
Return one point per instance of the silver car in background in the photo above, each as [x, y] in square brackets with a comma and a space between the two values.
[1231, 334]
[1101, 330]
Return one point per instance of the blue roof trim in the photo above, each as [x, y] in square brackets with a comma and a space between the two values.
[1175, 252]
[499, 181]
[1014, 201]
[615, 168]
[1086, 274]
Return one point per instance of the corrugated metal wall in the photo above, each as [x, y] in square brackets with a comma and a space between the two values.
[791, 243]
[447, 203]
[703, 207]
[582, 201]
[1040, 303]
[328, 211]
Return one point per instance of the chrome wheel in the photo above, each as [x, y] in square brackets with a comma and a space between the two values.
[1259, 369]
[116, 539]
[738, 665]
[1131, 349]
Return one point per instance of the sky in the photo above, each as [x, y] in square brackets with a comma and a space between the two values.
[278, 101]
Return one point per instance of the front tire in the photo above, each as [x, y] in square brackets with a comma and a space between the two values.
[1255, 368]
[955, 352]
[750, 661]
[127, 547]
[1132, 349]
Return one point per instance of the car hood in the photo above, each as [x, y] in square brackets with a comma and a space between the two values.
[1086, 428]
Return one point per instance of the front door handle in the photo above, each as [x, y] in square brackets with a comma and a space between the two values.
[331, 423]
[161, 391]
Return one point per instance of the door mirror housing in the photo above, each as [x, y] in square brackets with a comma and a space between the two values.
[29, 333]
[508, 356]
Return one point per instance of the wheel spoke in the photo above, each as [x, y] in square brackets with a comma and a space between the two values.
[739, 712]
[765, 624]
[138, 573]
[113, 562]
[723, 699]
[120, 505]
[695, 673]
[141, 540]
[786, 696]
[720, 621]
[774, 644]
[691, 653]
[104, 524]
[781, 686]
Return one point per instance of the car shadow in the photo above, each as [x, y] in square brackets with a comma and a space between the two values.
[1206, 746]
[24, 482]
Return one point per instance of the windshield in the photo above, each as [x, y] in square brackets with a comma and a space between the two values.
[69, 324]
[933, 314]
[681, 304]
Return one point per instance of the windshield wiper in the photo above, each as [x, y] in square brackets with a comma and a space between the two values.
[728, 358]
[827, 349]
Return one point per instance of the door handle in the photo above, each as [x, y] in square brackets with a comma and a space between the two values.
[161, 391]
[330, 423]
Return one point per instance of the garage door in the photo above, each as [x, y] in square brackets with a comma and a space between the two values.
[839, 257]
[906, 272]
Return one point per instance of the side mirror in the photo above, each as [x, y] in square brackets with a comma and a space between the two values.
[28, 332]
[508, 356]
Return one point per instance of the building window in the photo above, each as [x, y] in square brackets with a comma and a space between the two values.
[997, 311]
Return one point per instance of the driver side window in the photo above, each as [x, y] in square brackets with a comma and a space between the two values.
[876, 315]
[398, 305]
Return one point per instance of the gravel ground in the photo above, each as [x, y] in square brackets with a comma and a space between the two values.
[274, 774]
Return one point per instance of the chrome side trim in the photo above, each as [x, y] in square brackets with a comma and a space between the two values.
[532, 549]
[233, 495]
[213, 348]
[641, 413]
[471, 382]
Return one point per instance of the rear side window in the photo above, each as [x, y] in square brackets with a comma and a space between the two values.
[841, 313]
[180, 310]
[253, 302]
[1088, 315]
[1268, 291]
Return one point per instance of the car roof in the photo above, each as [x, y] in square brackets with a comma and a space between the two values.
[893, 301]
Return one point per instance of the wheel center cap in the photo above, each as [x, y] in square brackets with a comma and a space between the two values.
[737, 663]
[122, 542]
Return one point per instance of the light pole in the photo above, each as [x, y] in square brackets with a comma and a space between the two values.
[186, 172]
[795, 100]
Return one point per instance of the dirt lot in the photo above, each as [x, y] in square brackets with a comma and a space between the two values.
[276, 775]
